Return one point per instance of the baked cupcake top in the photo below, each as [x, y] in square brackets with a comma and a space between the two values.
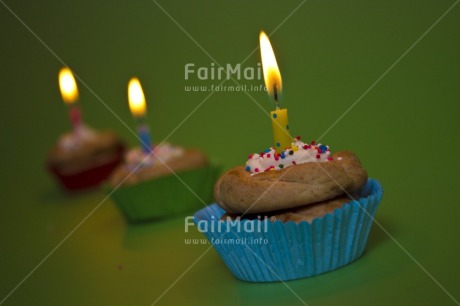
[78, 147]
[300, 175]
[164, 159]
[137, 158]
[76, 139]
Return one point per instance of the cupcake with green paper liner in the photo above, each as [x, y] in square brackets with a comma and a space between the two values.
[159, 181]
[168, 181]
[295, 210]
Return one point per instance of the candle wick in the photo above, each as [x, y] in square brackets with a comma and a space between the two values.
[275, 95]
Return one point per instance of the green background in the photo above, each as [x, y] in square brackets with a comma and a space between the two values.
[405, 129]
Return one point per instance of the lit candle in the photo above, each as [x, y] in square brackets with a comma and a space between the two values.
[279, 117]
[69, 93]
[138, 110]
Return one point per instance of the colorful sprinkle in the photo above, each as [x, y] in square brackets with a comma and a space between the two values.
[298, 152]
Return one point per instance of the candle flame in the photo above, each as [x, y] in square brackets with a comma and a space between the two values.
[68, 86]
[136, 98]
[272, 74]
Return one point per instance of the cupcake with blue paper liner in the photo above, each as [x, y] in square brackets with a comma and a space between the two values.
[315, 210]
[312, 209]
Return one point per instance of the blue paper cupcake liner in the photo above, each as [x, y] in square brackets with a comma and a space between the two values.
[264, 251]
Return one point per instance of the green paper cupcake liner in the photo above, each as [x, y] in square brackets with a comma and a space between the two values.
[166, 196]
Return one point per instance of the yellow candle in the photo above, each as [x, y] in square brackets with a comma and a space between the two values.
[280, 125]
[272, 76]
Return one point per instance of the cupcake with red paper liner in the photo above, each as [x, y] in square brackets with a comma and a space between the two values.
[84, 157]
[159, 181]
[295, 210]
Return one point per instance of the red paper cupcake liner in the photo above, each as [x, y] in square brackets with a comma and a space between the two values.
[90, 177]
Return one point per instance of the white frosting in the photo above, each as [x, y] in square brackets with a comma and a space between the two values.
[298, 153]
[72, 140]
[137, 158]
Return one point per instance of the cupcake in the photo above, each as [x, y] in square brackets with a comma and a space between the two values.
[158, 181]
[84, 157]
[167, 181]
[291, 214]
